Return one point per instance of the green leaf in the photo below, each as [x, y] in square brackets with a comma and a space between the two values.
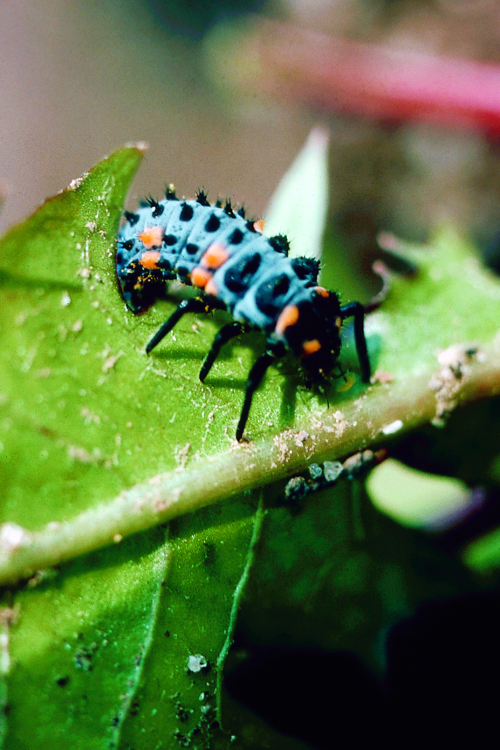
[179, 689]
[78, 647]
[336, 574]
[61, 434]
[299, 205]
[483, 554]
[99, 441]
[451, 300]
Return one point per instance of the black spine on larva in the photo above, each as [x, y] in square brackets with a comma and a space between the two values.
[201, 198]
[157, 207]
[170, 194]
[280, 243]
[306, 268]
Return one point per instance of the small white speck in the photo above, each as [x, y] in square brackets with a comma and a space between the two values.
[196, 662]
[391, 428]
[76, 183]
[12, 536]
[65, 300]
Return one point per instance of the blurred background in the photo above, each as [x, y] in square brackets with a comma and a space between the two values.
[226, 92]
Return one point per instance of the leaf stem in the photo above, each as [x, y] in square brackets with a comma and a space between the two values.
[465, 374]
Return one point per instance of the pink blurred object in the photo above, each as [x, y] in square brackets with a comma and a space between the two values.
[389, 84]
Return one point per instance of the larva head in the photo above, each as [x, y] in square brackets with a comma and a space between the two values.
[138, 275]
[311, 330]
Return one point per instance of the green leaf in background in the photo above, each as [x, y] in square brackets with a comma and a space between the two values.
[426, 500]
[299, 205]
[452, 300]
[338, 573]
[447, 312]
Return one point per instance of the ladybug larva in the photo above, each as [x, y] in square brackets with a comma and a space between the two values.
[238, 269]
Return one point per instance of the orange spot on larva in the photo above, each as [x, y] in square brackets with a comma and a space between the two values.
[215, 256]
[259, 225]
[288, 317]
[149, 259]
[200, 277]
[151, 237]
[310, 347]
[211, 288]
[338, 323]
[321, 291]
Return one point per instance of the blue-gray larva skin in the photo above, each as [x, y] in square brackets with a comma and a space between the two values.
[255, 284]
[238, 269]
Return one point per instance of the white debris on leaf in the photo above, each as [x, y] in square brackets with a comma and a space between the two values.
[446, 383]
[74, 184]
[332, 470]
[393, 427]
[196, 662]
[12, 537]
[301, 437]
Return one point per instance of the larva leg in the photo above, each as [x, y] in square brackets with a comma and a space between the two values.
[357, 311]
[255, 377]
[222, 337]
[186, 306]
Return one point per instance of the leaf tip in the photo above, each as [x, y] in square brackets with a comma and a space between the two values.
[141, 146]
[319, 139]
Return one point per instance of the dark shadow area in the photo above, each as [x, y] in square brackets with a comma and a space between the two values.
[443, 667]
[441, 683]
[322, 698]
